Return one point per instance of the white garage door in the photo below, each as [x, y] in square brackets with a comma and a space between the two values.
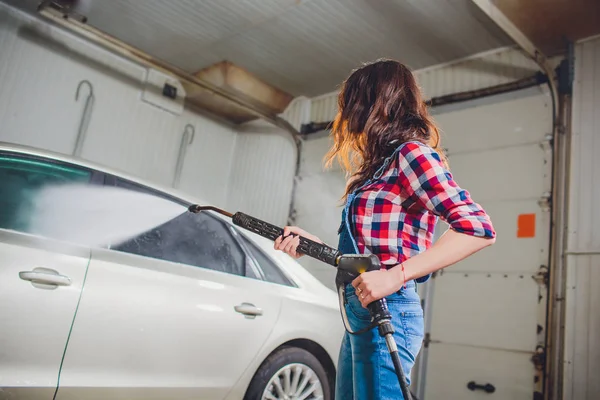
[486, 315]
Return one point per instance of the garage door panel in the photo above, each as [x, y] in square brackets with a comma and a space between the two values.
[512, 253]
[497, 125]
[503, 174]
[486, 311]
[511, 373]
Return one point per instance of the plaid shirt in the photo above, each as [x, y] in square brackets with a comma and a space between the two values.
[394, 216]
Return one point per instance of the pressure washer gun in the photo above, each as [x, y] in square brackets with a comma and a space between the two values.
[352, 266]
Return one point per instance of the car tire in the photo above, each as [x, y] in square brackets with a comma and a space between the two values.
[291, 365]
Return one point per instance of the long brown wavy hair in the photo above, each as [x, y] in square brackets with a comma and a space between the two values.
[379, 107]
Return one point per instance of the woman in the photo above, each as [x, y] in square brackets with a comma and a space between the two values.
[399, 186]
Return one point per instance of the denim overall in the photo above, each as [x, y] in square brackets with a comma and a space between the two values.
[365, 368]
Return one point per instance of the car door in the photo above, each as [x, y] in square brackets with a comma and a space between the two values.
[40, 279]
[171, 313]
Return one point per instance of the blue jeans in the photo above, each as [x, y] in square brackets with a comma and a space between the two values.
[365, 368]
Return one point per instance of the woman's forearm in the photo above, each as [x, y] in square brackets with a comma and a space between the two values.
[449, 249]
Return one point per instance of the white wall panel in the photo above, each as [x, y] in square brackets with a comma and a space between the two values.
[318, 203]
[207, 168]
[324, 108]
[262, 174]
[38, 108]
[37, 101]
[298, 112]
[582, 328]
[582, 352]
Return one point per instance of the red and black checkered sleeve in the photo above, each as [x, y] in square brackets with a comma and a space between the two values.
[422, 174]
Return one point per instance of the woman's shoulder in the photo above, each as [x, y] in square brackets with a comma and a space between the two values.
[414, 149]
[409, 158]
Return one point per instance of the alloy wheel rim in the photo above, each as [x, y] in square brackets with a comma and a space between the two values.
[294, 382]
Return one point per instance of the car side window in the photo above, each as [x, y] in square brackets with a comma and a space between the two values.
[22, 177]
[272, 273]
[199, 240]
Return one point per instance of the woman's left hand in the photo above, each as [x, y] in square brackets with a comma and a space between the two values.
[375, 285]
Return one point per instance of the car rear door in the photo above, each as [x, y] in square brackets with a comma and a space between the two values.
[168, 314]
[40, 279]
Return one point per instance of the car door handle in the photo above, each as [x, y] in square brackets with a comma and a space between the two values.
[248, 309]
[45, 276]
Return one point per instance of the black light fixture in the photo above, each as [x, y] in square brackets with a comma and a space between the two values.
[68, 8]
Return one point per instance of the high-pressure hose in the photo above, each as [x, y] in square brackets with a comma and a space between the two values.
[311, 248]
[352, 266]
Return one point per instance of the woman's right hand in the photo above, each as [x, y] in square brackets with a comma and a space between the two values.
[288, 243]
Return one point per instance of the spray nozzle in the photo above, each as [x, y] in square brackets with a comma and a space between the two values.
[195, 208]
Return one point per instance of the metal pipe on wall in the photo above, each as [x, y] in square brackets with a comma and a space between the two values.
[520, 84]
[561, 183]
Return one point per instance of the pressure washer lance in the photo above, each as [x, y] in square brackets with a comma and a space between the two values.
[352, 264]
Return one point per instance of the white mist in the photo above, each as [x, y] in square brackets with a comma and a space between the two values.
[97, 216]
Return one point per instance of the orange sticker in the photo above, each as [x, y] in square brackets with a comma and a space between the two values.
[526, 226]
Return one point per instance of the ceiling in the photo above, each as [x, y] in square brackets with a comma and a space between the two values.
[303, 47]
[547, 23]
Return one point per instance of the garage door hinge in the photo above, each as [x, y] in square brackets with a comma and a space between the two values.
[545, 201]
[539, 358]
[426, 340]
[541, 276]
[547, 143]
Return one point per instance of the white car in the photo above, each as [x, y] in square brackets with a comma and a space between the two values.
[196, 308]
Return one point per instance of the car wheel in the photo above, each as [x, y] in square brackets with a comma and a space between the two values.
[290, 373]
